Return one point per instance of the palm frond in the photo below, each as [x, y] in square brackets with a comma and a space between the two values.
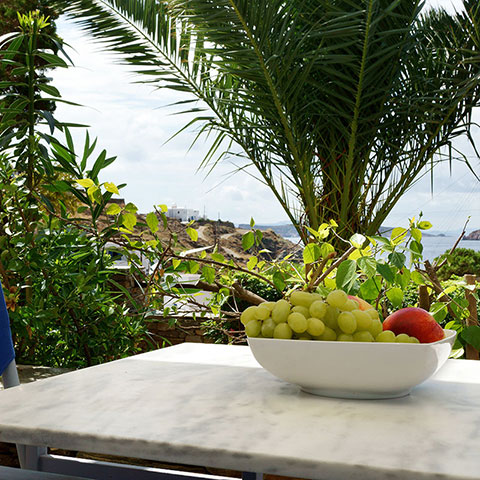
[339, 104]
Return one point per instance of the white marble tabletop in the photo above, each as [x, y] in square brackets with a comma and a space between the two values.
[214, 405]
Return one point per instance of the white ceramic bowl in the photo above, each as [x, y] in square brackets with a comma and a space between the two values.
[352, 369]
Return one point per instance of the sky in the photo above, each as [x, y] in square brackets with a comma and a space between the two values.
[133, 122]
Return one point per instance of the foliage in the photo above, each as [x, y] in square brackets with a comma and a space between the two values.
[64, 307]
[340, 106]
[461, 262]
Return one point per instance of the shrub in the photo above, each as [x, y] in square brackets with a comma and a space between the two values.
[462, 261]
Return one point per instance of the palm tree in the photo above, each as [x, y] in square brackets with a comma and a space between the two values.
[341, 105]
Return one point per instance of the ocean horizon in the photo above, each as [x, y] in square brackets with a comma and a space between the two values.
[433, 246]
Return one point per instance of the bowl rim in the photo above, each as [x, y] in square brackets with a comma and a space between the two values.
[449, 334]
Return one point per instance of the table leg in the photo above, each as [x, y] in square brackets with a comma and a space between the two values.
[30, 456]
[252, 476]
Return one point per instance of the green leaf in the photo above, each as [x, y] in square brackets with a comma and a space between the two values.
[258, 236]
[370, 289]
[403, 278]
[53, 60]
[357, 240]
[398, 259]
[395, 295]
[86, 182]
[278, 281]
[111, 187]
[313, 232]
[471, 335]
[368, 265]
[417, 278]
[113, 209]
[439, 311]
[163, 208]
[398, 235]
[193, 267]
[248, 239]
[378, 238]
[129, 220]
[152, 222]
[311, 253]
[252, 222]
[252, 262]
[424, 225]
[217, 257]
[175, 263]
[130, 207]
[416, 248]
[416, 234]
[386, 272]
[326, 249]
[208, 273]
[192, 233]
[94, 193]
[322, 232]
[346, 275]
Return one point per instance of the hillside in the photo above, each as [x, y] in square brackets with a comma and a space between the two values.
[225, 235]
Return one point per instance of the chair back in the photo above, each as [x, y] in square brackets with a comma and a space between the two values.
[8, 368]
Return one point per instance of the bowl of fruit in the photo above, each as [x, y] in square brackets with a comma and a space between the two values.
[338, 347]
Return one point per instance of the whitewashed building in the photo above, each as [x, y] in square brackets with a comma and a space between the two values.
[183, 214]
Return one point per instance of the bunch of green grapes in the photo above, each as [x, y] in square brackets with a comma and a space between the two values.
[310, 316]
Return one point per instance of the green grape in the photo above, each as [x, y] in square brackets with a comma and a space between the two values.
[343, 337]
[315, 327]
[363, 319]
[268, 327]
[328, 335]
[318, 309]
[373, 313]
[282, 330]
[248, 314]
[349, 305]
[281, 311]
[269, 305]
[304, 299]
[363, 336]
[402, 338]
[262, 312]
[347, 322]
[297, 322]
[253, 328]
[385, 336]
[300, 309]
[375, 328]
[330, 318]
[414, 340]
[337, 298]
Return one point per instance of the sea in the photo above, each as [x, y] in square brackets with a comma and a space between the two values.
[434, 246]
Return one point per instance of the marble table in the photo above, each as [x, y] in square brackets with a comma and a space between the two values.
[214, 405]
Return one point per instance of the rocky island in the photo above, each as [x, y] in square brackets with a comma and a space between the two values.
[475, 235]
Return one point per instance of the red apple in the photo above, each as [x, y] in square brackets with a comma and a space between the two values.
[415, 322]
[362, 304]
